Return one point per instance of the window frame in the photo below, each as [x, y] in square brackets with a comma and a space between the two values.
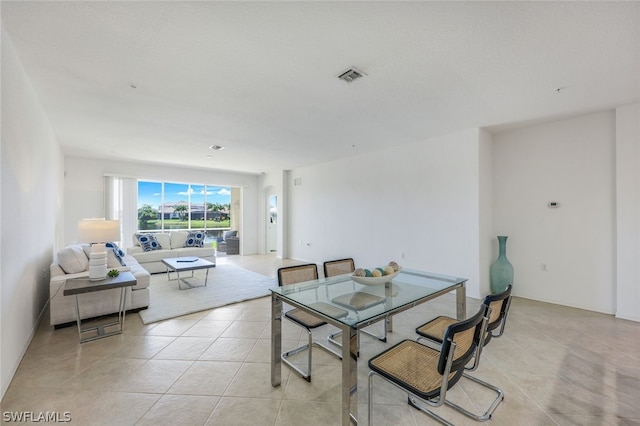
[204, 191]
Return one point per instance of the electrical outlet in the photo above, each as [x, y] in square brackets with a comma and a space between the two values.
[402, 256]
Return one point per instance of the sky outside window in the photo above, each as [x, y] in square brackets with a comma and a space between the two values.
[151, 193]
[197, 195]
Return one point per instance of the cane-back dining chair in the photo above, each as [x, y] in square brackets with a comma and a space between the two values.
[498, 308]
[498, 303]
[338, 267]
[293, 275]
[425, 373]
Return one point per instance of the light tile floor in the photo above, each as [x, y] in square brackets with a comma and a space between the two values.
[557, 365]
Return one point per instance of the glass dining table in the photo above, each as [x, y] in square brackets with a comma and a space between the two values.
[365, 305]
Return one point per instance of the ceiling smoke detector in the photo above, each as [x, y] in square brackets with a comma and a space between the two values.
[351, 74]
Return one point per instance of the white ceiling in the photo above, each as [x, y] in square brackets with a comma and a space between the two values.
[259, 78]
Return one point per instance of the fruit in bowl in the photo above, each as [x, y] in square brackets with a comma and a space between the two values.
[376, 276]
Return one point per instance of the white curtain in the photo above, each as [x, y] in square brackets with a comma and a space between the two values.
[121, 195]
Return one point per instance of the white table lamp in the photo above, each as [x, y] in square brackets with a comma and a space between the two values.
[98, 232]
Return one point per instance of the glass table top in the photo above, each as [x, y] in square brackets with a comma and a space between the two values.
[351, 303]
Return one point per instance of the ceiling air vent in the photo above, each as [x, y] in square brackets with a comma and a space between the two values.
[351, 74]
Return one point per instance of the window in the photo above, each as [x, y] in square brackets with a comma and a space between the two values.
[164, 206]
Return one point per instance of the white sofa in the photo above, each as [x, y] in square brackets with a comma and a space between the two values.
[172, 245]
[73, 262]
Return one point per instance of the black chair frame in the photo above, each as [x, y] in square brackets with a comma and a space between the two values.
[496, 320]
[450, 366]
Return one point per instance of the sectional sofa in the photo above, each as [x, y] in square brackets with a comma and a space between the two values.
[73, 262]
[149, 249]
[141, 260]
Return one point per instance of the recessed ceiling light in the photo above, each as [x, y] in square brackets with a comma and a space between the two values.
[216, 147]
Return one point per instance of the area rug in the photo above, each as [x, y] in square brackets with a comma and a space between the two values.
[227, 284]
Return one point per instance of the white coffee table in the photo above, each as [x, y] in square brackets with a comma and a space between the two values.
[184, 264]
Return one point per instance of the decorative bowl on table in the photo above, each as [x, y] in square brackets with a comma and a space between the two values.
[376, 276]
[375, 280]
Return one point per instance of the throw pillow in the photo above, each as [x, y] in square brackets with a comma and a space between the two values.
[195, 239]
[118, 253]
[148, 242]
[178, 238]
[112, 258]
[73, 260]
[164, 239]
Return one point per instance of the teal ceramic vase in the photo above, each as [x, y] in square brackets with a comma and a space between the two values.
[501, 271]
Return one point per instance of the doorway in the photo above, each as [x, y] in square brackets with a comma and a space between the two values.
[272, 225]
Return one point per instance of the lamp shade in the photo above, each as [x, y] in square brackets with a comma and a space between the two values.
[98, 231]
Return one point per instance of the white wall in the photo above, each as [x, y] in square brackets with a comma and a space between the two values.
[628, 211]
[488, 243]
[30, 201]
[84, 191]
[421, 200]
[272, 184]
[572, 162]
